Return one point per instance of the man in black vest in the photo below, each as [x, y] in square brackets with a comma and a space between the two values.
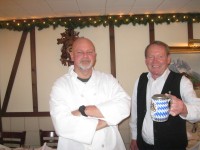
[184, 105]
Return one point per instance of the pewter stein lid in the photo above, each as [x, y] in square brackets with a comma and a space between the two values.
[159, 96]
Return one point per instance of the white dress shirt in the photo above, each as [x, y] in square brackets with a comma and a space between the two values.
[79, 132]
[155, 87]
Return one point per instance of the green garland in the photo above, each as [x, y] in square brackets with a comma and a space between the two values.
[82, 22]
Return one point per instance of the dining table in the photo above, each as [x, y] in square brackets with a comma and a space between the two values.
[44, 147]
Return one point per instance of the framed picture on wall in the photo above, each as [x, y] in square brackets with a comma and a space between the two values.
[184, 50]
[186, 60]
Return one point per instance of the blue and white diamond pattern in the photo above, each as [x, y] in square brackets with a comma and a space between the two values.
[161, 112]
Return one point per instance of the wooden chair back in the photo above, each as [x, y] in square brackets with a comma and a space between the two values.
[13, 139]
[50, 137]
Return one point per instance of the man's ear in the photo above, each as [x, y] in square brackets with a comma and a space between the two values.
[72, 56]
[169, 59]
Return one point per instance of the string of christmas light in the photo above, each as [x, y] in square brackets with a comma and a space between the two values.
[95, 21]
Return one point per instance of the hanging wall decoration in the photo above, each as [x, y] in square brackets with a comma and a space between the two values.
[67, 39]
[95, 21]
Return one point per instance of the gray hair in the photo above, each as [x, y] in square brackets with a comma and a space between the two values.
[160, 43]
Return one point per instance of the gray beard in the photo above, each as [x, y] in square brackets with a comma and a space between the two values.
[84, 68]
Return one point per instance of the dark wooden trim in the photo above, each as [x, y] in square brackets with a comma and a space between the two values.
[1, 129]
[26, 114]
[14, 71]
[151, 32]
[190, 30]
[112, 50]
[34, 70]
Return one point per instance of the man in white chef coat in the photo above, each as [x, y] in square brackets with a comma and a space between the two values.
[86, 105]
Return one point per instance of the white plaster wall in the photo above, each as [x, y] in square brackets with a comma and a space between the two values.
[130, 42]
[21, 93]
[174, 34]
[196, 30]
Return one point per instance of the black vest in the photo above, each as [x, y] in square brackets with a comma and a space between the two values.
[169, 135]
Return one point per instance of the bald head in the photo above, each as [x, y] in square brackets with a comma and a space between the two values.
[82, 41]
[84, 56]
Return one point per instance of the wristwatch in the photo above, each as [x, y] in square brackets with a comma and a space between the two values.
[82, 110]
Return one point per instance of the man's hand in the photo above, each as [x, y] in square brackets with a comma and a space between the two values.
[90, 110]
[76, 113]
[177, 107]
[133, 145]
[101, 124]
[93, 111]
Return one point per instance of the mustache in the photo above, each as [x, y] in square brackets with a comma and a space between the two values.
[85, 60]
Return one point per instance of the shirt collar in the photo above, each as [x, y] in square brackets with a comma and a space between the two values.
[71, 71]
[74, 74]
[163, 76]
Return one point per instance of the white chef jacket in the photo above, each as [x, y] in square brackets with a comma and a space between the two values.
[155, 87]
[79, 132]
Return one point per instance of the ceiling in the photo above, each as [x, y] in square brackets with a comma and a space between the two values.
[32, 9]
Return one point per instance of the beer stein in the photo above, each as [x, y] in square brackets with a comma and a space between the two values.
[160, 107]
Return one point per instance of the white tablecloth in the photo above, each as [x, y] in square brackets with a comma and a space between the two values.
[44, 147]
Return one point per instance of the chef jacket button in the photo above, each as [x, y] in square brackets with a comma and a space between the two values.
[82, 95]
[102, 145]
